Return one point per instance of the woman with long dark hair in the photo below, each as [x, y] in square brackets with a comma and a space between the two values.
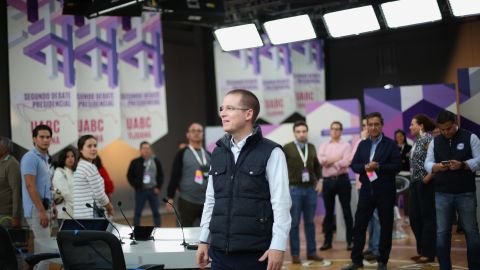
[63, 181]
[88, 186]
[404, 148]
[422, 194]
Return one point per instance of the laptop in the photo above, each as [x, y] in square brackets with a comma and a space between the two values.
[93, 224]
[143, 233]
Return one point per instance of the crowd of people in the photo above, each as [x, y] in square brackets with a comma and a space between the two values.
[250, 194]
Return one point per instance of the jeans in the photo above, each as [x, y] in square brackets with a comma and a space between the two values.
[465, 204]
[304, 200]
[141, 196]
[374, 233]
[331, 187]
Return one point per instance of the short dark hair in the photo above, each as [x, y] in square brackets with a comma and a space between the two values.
[62, 157]
[41, 127]
[446, 116]
[6, 144]
[249, 100]
[338, 123]
[144, 142]
[373, 115]
[82, 140]
[422, 119]
[401, 132]
[299, 123]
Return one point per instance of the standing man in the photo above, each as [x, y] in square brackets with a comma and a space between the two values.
[454, 156]
[36, 185]
[145, 175]
[10, 186]
[334, 156]
[190, 175]
[246, 216]
[303, 172]
[377, 160]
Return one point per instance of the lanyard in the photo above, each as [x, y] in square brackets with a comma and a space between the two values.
[202, 161]
[302, 156]
[147, 166]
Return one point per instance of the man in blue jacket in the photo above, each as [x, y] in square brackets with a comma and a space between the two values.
[377, 160]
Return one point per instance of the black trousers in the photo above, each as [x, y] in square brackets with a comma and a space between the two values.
[236, 261]
[342, 187]
[189, 212]
[422, 217]
[381, 197]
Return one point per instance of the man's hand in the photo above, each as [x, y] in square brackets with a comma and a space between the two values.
[439, 167]
[156, 191]
[275, 259]
[44, 218]
[455, 165]
[15, 223]
[202, 256]
[427, 178]
[332, 160]
[372, 166]
[319, 186]
[169, 205]
[55, 212]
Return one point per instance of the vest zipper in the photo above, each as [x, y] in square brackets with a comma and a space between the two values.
[227, 240]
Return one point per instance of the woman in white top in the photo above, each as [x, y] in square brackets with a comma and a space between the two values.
[88, 186]
[63, 182]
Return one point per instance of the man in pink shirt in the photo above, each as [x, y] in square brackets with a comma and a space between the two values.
[334, 156]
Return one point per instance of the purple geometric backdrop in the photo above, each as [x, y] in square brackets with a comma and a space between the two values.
[398, 105]
[469, 87]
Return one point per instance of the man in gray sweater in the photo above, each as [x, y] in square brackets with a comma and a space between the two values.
[189, 175]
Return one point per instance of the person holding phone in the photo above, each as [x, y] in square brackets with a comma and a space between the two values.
[453, 157]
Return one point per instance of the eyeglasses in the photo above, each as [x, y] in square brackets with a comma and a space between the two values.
[231, 109]
[196, 130]
[337, 129]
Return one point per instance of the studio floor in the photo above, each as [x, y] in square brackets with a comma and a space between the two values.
[402, 250]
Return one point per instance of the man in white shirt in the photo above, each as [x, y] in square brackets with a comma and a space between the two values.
[246, 216]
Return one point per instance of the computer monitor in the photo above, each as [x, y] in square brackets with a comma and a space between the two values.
[89, 224]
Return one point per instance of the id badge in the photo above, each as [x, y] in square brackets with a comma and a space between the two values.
[198, 177]
[305, 176]
[146, 179]
[372, 176]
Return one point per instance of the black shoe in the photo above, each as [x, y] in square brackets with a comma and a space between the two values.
[326, 246]
[371, 257]
[367, 252]
[352, 266]
[349, 246]
[381, 266]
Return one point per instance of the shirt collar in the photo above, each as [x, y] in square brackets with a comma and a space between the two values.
[7, 157]
[300, 144]
[40, 154]
[376, 141]
[241, 143]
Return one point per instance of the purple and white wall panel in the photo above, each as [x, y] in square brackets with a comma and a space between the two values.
[469, 93]
[400, 104]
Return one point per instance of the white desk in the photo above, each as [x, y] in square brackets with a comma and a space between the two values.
[165, 249]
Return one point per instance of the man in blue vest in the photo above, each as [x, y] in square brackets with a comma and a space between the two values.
[377, 161]
[246, 215]
[453, 157]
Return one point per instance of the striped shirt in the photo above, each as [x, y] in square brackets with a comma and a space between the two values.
[88, 187]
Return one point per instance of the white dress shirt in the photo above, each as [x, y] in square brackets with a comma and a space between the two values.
[473, 163]
[277, 176]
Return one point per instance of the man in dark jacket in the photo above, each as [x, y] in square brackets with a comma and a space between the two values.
[145, 175]
[246, 215]
[377, 160]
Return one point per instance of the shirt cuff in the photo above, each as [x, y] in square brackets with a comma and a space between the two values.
[471, 165]
[204, 235]
[278, 243]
